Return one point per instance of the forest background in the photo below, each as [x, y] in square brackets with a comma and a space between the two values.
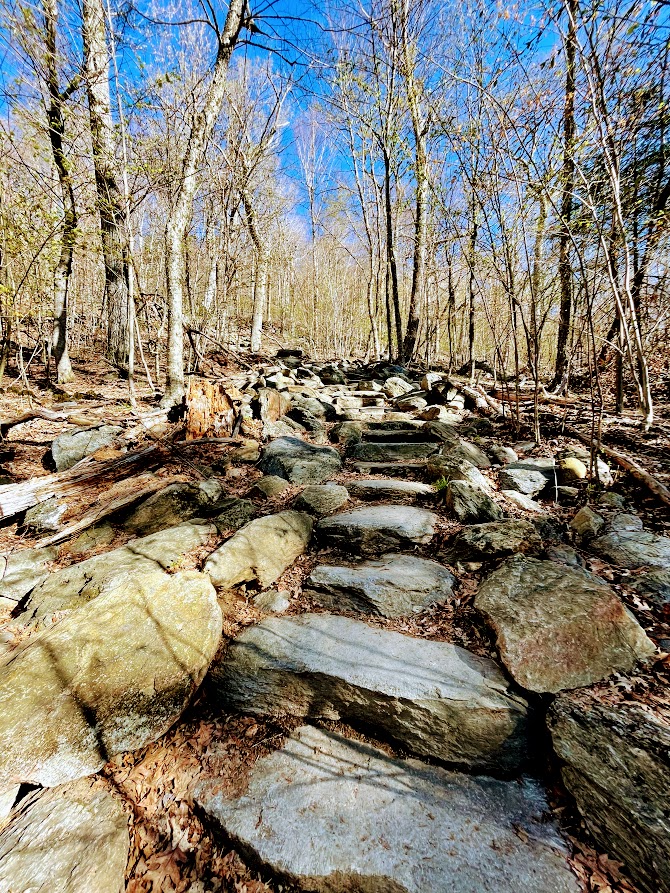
[459, 184]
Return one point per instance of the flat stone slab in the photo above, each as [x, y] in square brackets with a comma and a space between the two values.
[558, 628]
[529, 481]
[71, 839]
[497, 539]
[434, 698]
[299, 462]
[322, 499]
[634, 548]
[335, 816]
[261, 551]
[392, 586]
[69, 448]
[21, 571]
[392, 452]
[377, 528]
[400, 490]
[73, 586]
[111, 677]
[616, 764]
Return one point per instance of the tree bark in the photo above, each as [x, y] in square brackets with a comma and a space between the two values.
[182, 205]
[56, 121]
[567, 190]
[110, 201]
[392, 294]
[261, 277]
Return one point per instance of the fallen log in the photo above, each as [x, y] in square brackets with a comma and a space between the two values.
[489, 404]
[17, 498]
[134, 491]
[40, 412]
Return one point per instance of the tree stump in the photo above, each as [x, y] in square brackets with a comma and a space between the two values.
[210, 409]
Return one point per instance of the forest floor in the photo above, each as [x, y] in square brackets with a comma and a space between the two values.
[171, 848]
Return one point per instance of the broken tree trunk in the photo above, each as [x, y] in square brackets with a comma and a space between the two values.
[210, 409]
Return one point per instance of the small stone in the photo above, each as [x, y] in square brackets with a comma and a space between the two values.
[272, 602]
[249, 451]
[567, 495]
[522, 501]
[587, 523]
[69, 448]
[528, 481]
[654, 587]
[503, 455]
[321, 499]
[396, 387]
[496, 540]
[45, 517]
[234, 513]
[571, 469]
[612, 500]
[269, 486]
[628, 545]
[430, 379]
[261, 551]
[470, 504]
[173, 505]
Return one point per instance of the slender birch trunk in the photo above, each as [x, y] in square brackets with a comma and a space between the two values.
[182, 205]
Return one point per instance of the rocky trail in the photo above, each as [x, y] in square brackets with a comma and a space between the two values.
[352, 636]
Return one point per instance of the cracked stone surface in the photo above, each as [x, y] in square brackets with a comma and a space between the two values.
[376, 528]
[71, 839]
[330, 815]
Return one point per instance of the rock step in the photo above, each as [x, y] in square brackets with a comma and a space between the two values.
[377, 528]
[404, 491]
[389, 468]
[392, 451]
[328, 814]
[393, 586]
[397, 435]
[433, 698]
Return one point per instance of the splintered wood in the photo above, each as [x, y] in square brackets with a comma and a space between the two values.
[210, 410]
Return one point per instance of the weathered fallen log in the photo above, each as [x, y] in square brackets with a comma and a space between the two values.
[74, 417]
[17, 498]
[135, 489]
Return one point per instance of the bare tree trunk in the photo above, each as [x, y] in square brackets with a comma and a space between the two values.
[261, 278]
[182, 206]
[69, 225]
[471, 291]
[110, 201]
[393, 294]
[567, 190]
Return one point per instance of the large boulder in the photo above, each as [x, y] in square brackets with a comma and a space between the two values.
[330, 815]
[261, 551]
[69, 448]
[558, 627]
[369, 451]
[433, 698]
[73, 586]
[173, 505]
[392, 586]
[377, 528]
[300, 462]
[70, 839]
[616, 764]
[112, 676]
